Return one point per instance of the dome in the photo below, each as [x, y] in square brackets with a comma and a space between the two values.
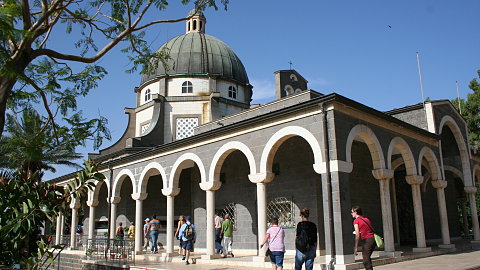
[196, 53]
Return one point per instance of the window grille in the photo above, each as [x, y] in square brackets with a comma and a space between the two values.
[283, 209]
[232, 92]
[185, 127]
[231, 209]
[187, 87]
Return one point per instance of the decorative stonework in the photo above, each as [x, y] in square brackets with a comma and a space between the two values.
[470, 190]
[382, 174]
[439, 183]
[185, 127]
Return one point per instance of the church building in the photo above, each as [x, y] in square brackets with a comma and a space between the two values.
[195, 145]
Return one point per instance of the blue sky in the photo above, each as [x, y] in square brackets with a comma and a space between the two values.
[364, 50]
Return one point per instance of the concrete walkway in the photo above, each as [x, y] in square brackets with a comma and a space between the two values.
[466, 260]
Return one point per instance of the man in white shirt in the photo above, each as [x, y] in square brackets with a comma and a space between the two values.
[218, 228]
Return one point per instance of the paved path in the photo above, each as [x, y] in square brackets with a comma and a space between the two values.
[467, 260]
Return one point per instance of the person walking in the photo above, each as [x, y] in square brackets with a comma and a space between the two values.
[131, 231]
[120, 231]
[146, 235]
[276, 244]
[181, 221]
[363, 230]
[218, 229]
[153, 228]
[188, 235]
[227, 236]
[305, 241]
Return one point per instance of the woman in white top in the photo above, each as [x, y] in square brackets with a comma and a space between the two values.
[276, 244]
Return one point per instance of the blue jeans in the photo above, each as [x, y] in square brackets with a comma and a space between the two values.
[154, 236]
[277, 258]
[218, 241]
[308, 257]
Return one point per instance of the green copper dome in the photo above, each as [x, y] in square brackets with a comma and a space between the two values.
[196, 53]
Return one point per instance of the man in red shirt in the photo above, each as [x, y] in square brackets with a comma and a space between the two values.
[363, 229]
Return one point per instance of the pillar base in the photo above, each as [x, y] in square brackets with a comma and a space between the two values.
[168, 255]
[260, 259]
[447, 246]
[211, 257]
[424, 249]
[391, 254]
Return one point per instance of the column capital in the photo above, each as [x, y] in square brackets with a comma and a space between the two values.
[320, 168]
[114, 200]
[92, 203]
[439, 184]
[382, 174]
[170, 191]
[470, 190]
[139, 196]
[263, 177]
[75, 204]
[414, 179]
[210, 185]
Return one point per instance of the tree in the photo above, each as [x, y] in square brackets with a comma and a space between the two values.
[26, 203]
[29, 61]
[470, 110]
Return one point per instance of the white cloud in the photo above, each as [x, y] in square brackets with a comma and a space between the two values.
[263, 91]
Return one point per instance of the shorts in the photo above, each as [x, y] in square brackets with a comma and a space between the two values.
[187, 245]
[276, 257]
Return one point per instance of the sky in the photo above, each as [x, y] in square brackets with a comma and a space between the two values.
[364, 50]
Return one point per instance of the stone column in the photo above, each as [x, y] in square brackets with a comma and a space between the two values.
[170, 193]
[440, 186]
[58, 229]
[74, 205]
[62, 228]
[415, 181]
[384, 176]
[261, 180]
[210, 222]
[464, 217]
[91, 218]
[139, 197]
[113, 215]
[471, 191]
[170, 224]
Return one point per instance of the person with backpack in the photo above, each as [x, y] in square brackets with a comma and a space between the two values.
[153, 229]
[305, 241]
[188, 235]
[364, 230]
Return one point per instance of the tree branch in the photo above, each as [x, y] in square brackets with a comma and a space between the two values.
[27, 21]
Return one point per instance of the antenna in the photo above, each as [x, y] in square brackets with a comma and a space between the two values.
[458, 98]
[290, 63]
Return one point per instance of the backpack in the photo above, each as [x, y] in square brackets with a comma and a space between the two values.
[301, 240]
[188, 231]
[79, 229]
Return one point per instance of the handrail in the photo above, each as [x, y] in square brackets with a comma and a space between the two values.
[55, 257]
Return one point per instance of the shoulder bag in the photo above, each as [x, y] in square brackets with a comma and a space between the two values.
[269, 252]
[378, 238]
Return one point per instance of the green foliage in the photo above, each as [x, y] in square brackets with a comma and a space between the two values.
[27, 203]
[470, 110]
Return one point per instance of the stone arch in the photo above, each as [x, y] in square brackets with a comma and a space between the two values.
[369, 137]
[152, 168]
[432, 161]
[476, 172]
[462, 147]
[281, 136]
[186, 160]
[117, 184]
[454, 170]
[93, 195]
[405, 151]
[221, 155]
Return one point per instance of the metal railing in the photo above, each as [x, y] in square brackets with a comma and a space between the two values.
[45, 263]
[117, 251]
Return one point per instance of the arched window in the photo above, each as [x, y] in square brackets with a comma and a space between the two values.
[232, 92]
[187, 87]
[148, 95]
[194, 25]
